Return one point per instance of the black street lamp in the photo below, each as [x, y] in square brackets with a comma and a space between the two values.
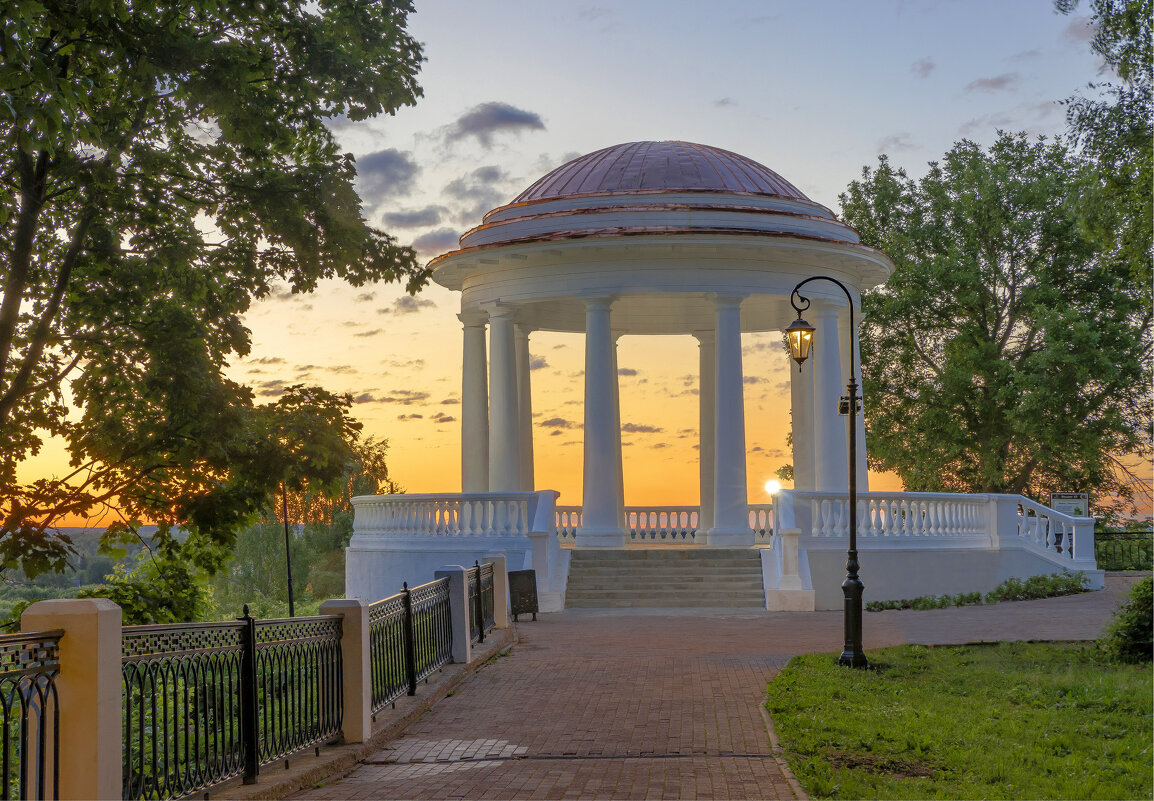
[800, 336]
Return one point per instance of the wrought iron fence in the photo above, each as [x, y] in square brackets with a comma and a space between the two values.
[204, 702]
[480, 580]
[182, 707]
[30, 709]
[1124, 550]
[410, 636]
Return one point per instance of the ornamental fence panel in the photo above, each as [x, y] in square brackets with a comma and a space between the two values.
[410, 637]
[30, 710]
[1124, 550]
[206, 702]
[480, 581]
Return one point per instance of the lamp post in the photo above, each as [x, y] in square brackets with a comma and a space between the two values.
[800, 337]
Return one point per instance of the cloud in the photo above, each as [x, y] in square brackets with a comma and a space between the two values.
[366, 297]
[998, 83]
[414, 218]
[372, 333]
[408, 304]
[267, 360]
[440, 241]
[626, 371]
[441, 417]
[558, 422]
[537, 363]
[386, 173]
[725, 102]
[405, 397]
[639, 428]
[754, 379]
[923, 67]
[269, 388]
[895, 143]
[1078, 30]
[410, 416]
[478, 190]
[450, 401]
[487, 119]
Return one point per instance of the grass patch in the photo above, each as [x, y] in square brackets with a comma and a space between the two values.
[1010, 720]
[1011, 589]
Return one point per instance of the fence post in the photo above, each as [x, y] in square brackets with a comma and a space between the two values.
[479, 613]
[249, 736]
[410, 641]
[88, 689]
[356, 678]
[1083, 546]
[458, 611]
[500, 589]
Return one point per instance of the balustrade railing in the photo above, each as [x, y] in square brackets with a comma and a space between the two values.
[410, 636]
[487, 514]
[1047, 529]
[29, 706]
[905, 514]
[662, 525]
[205, 702]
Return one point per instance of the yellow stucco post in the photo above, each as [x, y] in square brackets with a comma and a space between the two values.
[88, 689]
[357, 720]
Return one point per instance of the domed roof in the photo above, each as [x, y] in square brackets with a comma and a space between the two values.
[659, 167]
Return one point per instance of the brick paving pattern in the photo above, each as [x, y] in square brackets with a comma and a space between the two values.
[653, 704]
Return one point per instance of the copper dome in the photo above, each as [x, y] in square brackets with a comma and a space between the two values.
[659, 167]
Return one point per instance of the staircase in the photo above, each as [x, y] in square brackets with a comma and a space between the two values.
[610, 578]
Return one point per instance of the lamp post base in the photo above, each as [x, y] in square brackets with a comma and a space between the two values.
[853, 655]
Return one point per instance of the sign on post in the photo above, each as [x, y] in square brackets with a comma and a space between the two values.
[1076, 504]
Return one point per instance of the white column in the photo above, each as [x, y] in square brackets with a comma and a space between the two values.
[524, 407]
[601, 488]
[707, 342]
[801, 399]
[621, 519]
[504, 447]
[730, 500]
[829, 428]
[474, 405]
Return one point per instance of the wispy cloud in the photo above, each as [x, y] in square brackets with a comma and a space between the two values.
[436, 242]
[414, 218]
[923, 67]
[478, 190]
[1078, 30]
[895, 143]
[488, 119]
[538, 363]
[626, 371]
[998, 83]
[640, 428]
[386, 173]
[407, 304]
[558, 422]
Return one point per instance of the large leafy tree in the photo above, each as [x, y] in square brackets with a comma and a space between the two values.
[1114, 129]
[162, 164]
[1005, 354]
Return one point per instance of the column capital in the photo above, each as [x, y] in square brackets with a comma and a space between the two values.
[522, 331]
[597, 302]
[705, 336]
[499, 309]
[473, 317]
[727, 300]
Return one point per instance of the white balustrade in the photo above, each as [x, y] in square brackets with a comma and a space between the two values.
[900, 514]
[1051, 531]
[568, 520]
[483, 514]
[761, 522]
[662, 524]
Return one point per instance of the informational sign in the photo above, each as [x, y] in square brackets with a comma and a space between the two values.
[1076, 504]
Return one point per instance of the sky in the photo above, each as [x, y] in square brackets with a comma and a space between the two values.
[814, 90]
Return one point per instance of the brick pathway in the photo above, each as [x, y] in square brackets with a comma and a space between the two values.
[648, 704]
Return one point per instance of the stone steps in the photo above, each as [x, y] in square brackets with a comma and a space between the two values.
[674, 578]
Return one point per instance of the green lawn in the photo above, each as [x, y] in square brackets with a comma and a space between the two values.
[1011, 720]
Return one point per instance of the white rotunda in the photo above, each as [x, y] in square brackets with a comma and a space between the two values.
[681, 238]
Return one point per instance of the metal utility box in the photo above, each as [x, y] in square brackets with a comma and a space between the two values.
[523, 592]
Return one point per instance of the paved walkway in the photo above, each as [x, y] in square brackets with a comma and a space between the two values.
[651, 704]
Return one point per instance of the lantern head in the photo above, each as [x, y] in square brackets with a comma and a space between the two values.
[800, 336]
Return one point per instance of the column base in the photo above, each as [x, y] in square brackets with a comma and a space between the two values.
[600, 538]
[789, 600]
[727, 538]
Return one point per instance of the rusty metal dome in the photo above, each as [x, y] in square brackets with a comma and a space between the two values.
[659, 167]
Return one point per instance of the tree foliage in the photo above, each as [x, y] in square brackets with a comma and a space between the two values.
[162, 164]
[1115, 131]
[1005, 354]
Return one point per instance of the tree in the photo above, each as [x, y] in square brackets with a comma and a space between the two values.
[164, 163]
[1115, 132]
[1004, 354]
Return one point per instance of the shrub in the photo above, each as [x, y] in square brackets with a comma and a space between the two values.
[1130, 635]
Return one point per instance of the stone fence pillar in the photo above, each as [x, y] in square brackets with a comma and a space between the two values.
[357, 719]
[88, 689]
